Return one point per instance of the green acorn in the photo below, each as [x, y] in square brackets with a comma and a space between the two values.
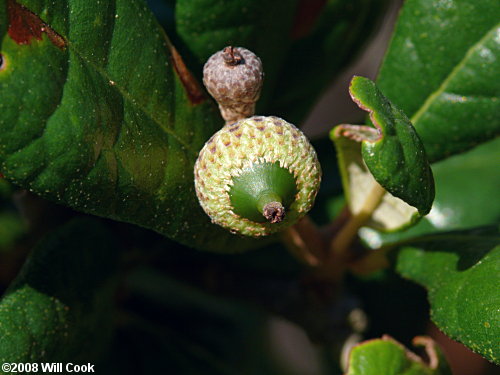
[257, 176]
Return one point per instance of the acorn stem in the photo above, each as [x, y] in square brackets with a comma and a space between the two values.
[237, 112]
[269, 204]
[346, 235]
[231, 56]
[305, 241]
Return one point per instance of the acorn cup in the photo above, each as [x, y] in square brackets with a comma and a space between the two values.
[257, 176]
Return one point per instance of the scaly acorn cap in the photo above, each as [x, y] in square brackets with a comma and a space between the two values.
[257, 176]
[234, 78]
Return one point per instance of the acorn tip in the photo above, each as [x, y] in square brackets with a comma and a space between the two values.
[274, 212]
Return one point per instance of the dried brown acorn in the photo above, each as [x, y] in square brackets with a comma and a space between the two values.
[234, 78]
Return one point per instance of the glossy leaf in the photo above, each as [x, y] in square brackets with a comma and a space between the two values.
[98, 112]
[396, 157]
[461, 272]
[393, 155]
[466, 190]
[387, 356]
[441, 69]
[59, 307]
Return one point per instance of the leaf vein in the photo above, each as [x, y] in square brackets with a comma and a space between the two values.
[432, 97]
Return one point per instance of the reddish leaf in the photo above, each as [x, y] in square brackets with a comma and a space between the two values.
[24, 26]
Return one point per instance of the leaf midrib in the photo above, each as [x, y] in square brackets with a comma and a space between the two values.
[126, 95]
[441, 89]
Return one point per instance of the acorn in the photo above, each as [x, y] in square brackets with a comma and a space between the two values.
[257, 176]
[234, 78]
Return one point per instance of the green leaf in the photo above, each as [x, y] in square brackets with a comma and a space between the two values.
[466, 190]
[59, 308]
[387, 356]
[441, 70]
[393, 154]
[396, 156]
[461, 272]
[99, 113]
